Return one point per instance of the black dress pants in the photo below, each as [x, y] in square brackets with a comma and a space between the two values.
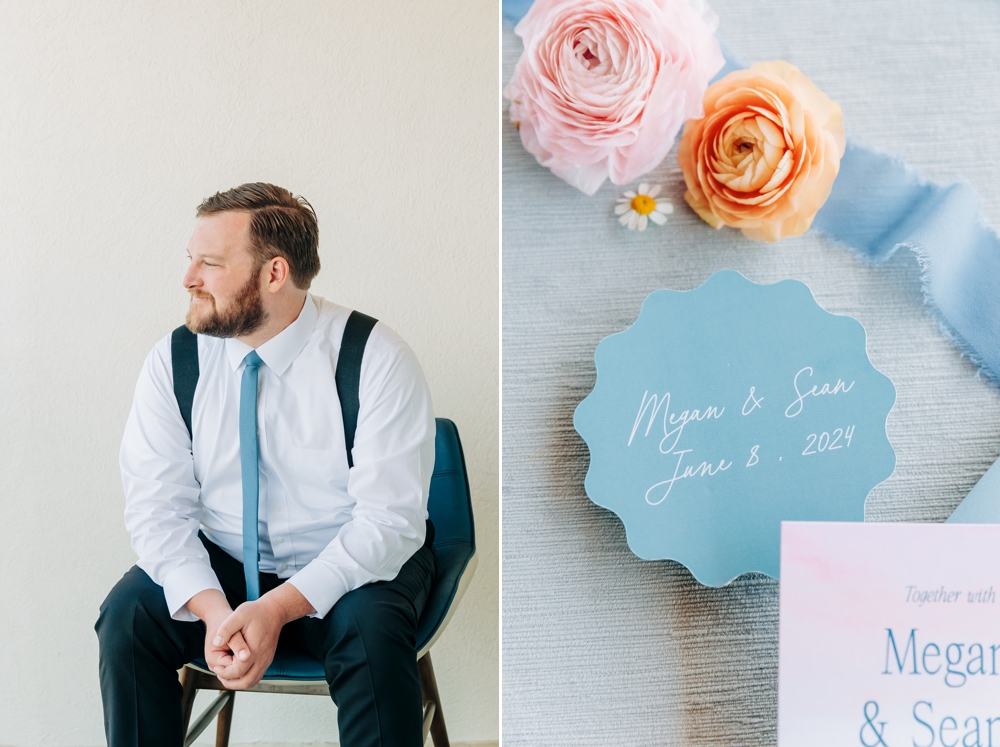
[367, 643]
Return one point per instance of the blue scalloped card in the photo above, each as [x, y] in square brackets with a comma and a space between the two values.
[725, 410]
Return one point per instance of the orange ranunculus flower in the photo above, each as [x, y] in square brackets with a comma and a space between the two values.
[764, 156]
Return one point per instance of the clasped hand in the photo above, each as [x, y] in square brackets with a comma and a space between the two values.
[240, 644]
[240, 648]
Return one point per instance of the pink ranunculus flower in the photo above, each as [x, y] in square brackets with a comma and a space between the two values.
[604, 86]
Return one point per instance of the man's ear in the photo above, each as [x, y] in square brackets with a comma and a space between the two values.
[278, 273]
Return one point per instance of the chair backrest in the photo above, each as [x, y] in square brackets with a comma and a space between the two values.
[449, 505]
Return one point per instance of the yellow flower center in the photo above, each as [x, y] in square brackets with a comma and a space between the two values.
[643, 204]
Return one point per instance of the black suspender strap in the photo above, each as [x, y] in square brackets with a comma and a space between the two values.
[184, 361]
[348, 375]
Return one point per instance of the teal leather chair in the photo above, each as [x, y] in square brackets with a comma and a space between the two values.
[449, 505]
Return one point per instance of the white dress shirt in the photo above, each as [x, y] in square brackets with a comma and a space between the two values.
[326, 528]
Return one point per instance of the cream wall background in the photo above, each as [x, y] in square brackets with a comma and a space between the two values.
[116, 119]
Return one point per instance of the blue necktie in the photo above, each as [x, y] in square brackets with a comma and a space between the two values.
[251, 478]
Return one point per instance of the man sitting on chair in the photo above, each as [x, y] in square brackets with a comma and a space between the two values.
[344, 555]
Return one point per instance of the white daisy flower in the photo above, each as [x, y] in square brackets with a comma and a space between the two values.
[638, 208]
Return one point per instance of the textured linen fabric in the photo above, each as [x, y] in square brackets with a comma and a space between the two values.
[602, 648]
[324, 527]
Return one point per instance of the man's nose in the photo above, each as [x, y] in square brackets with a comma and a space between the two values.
[191, 278]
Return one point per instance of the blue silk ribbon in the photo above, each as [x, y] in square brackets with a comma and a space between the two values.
[879, 204]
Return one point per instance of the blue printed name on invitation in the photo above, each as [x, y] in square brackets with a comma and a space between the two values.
[941, 662]
[723, 411]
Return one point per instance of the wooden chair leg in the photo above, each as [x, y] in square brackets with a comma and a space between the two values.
[224, 723]
[189, 682]
[429, 691]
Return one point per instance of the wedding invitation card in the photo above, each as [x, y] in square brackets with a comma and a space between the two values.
[889, 635]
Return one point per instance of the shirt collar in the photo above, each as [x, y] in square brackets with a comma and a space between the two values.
[279, 352]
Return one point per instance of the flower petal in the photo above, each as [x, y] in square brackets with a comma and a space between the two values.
[658, 218]
[623, 208]
[643, 222]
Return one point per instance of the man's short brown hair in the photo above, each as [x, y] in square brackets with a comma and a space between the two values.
[281, 225]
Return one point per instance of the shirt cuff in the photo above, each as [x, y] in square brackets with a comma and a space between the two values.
[183, 583]
[320, 585]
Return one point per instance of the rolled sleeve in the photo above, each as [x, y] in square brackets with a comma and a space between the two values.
[393, 461]
[321, 585]
[182, 583]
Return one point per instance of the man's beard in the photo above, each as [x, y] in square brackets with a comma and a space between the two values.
[242, 317]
